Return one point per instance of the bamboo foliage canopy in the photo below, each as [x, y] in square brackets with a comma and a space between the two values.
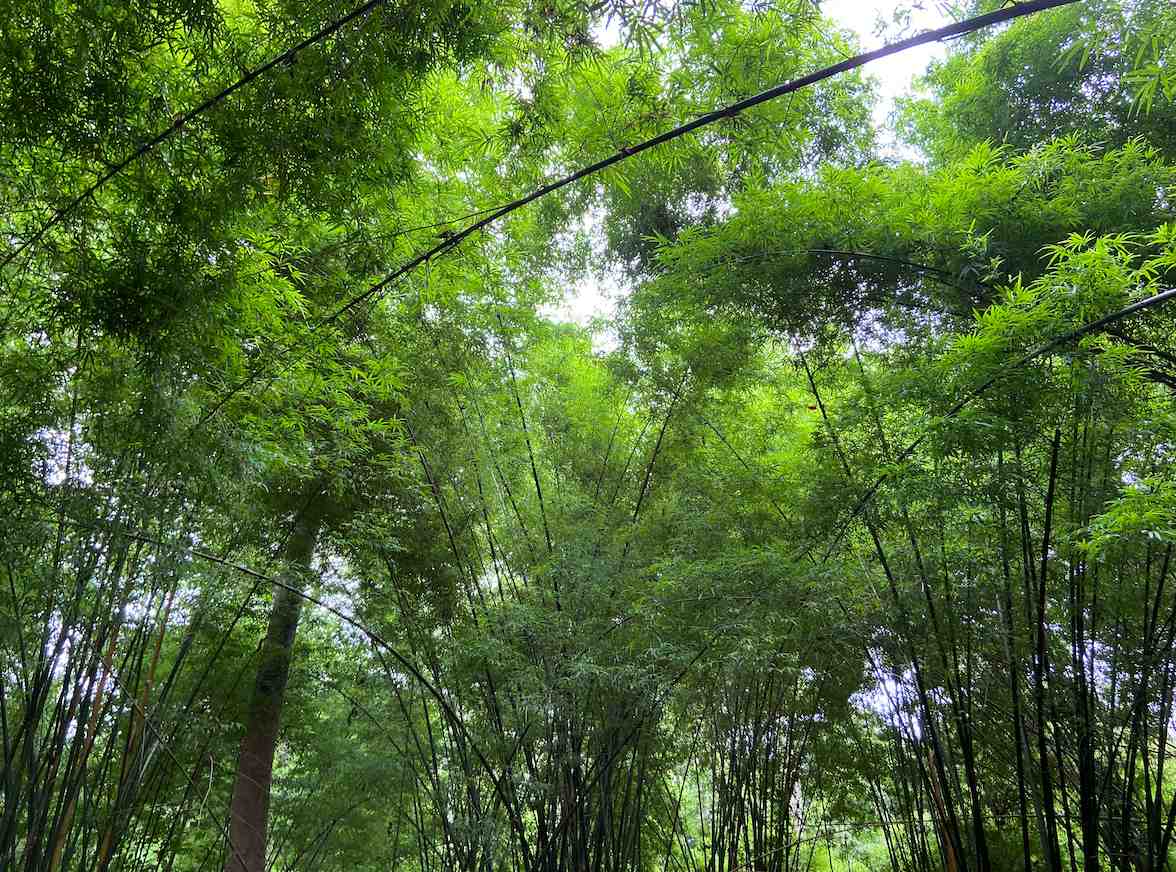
[837, 535]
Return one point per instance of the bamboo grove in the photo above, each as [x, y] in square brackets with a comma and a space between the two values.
[841, 538]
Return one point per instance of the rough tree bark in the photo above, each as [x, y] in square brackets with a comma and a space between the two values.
[249, 808]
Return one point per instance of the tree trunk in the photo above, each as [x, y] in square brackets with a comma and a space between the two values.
[249, 809]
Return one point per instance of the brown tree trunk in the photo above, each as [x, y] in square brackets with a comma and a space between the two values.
[249, 809]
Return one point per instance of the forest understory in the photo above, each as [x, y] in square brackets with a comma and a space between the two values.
[837, 535]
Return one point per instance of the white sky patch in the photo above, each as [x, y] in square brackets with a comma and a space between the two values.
[60, 455]
[594, 296]
[874, 22]
[608, 33]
